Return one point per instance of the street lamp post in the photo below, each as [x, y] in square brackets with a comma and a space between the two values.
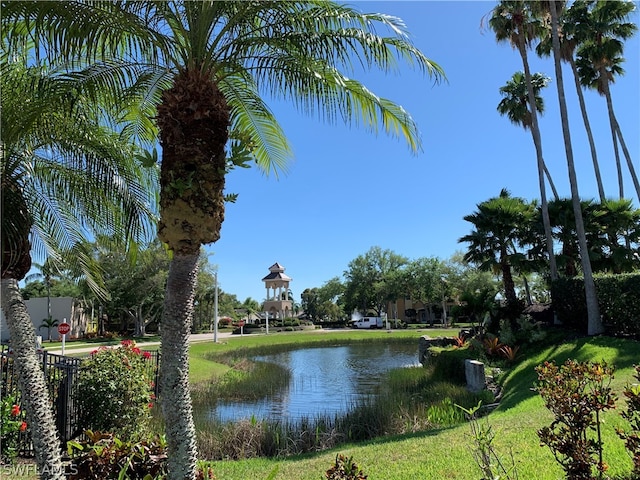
[215, 311]
[444, 303]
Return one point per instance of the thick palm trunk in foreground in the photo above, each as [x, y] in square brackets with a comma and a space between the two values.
[193, 119]
[35, 396]
[175, 397]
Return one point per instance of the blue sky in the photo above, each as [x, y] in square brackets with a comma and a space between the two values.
[348, 190]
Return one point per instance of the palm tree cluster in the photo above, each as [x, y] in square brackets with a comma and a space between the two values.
[507, 238]
[589, 35]
[194, 74]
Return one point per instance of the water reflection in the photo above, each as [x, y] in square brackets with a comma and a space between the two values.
[327, 380]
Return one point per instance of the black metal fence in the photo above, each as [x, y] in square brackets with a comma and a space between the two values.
[61, 374]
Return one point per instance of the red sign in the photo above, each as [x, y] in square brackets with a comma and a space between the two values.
[64, 328]
[241, 323]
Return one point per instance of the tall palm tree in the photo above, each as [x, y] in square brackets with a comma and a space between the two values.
[513, 21]
[594, 323]
[214, 61]
[515, 105]
[603, 28]
[569, 20]
[64, 176]
[496, 240]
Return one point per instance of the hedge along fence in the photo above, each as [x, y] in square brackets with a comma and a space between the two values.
[618, 298]
[61, 375]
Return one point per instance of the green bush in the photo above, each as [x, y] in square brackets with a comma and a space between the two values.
[576, 393]
[618, 298]
[114, 391]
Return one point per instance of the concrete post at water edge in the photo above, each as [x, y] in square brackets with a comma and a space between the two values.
[474, 373]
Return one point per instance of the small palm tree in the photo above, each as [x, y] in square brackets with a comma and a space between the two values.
[496, 241]
[64, 175]
[48, 323]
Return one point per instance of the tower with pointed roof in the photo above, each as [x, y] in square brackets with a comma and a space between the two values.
[278, 303]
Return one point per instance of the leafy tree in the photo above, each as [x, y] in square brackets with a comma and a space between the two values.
[515, 22]
[331, 299]
[135, 285]
[311, 303]
[495, 243]
[423, 281]
[368, 280]
[463, 276]
[65, 175]
[203, 65]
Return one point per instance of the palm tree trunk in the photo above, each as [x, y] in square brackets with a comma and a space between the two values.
[612, 123]
[587, 126]
[551, 184]
[627, 157]
[535, 131]
[509, 284]
[175, 397]
[35, 395]
[594, 323]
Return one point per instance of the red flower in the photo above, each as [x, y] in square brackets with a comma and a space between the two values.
[93, 352]
[136, 350]
[150, 404]
[146, 355]
[23, 426]
[15, 410]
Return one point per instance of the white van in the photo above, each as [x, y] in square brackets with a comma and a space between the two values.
[368, 322]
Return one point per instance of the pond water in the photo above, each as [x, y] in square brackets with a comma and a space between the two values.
[324, 381]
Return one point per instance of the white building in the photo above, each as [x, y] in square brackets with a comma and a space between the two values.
[62, 308]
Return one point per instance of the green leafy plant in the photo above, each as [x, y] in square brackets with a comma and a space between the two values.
[105, 456]
[345, 469]
[114, 391]
[484, 453]
[11, 424]
[576, 393]
[632, 415]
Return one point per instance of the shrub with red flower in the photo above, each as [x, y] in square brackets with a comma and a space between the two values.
[113, 392]
[11, 423]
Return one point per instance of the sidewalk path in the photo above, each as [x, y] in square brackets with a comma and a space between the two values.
[194, 338]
